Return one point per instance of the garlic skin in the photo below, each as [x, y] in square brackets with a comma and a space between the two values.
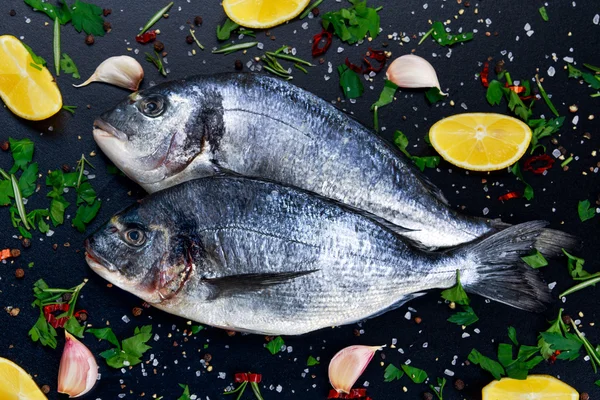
[410, 71]
[122, 71]
[348, 365]
[78, 371]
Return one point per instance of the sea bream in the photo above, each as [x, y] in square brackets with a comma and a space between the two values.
[264, 127]
[256, 256]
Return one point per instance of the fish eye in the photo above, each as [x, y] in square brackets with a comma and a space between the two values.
[152, 106]
[135, 237]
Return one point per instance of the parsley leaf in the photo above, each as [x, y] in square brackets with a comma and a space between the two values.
[558, 331]
[36, 59]
[85, 214]
[535, 260]
[519, 367]
[352, 24]
[464, 318]
[516, 170]
[544, 13]
[487, 364]
[196, 328]
[386, 96]
[433, 95]
[87, 17]
[443, 38]
[224, 33]
[63, 14]
[74, 328]
[43, 332]
[415, 374]
[543, 128]
[22, 153]
[350, 82]
[392, 373]
[28, 179]
[6, 192]
[512, 335]
[494, 93]
[68, 66]
[456, 293]
[131, 349]
[585, 211]
[441, 382]
[312, 361]
[597, 382]
[575, 265]
[85, 194]
[276, 345]
[516, 105]
[186, 392]
[401, 141]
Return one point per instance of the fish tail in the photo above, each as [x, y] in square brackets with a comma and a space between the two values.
[550, 242]
[495, 269]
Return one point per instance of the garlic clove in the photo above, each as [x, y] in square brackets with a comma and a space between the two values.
[410, 71]
[348, 365]
[122, 71]
[78, 371]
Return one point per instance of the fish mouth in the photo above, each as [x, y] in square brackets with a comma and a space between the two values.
[104, 130]
[170, 283]
[95, 261]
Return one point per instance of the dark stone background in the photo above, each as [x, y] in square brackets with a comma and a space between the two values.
[570, 32]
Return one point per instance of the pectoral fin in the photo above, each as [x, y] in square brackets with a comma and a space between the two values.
[229, 285]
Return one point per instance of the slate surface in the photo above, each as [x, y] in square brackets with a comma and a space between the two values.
[432, 345]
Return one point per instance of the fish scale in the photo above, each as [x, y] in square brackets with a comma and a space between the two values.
[257, 256]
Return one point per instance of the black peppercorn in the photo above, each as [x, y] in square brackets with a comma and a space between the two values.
[459, 384]
[189, 39]
[315, 11]
[106, 12]
[26, 242]
[107, 26]
[198, 20]
[12, 13]
[89, 40]
[159, 46]
[238, 65]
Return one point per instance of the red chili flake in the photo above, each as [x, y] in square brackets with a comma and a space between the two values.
[317, 49]
[247, 377]
[484, 74]
[51, 318]
[517, 89]
[146, 37]
[354, 394]
[552, 358]
[356, 68]
[509, 195]
[78, 313]
[545, 161]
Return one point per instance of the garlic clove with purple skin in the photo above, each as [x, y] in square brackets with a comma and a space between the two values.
[410, 71]
[78, 371]
[122, 71]
[348, 365]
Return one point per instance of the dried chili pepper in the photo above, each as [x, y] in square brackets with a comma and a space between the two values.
[354, 394]
[485, 74]
[146, 37]
[51, 318]
[356, 68]
[545, 161]
[377, 55]
[318, 50]
[247, 377]
[509, 195]
[552, 358]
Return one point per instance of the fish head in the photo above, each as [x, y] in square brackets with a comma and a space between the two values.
[137, 252]
[154, 134]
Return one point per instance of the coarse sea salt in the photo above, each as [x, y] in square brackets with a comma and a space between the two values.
[551, 71]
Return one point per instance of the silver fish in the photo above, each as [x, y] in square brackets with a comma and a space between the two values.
[263, 127]
[256, 256]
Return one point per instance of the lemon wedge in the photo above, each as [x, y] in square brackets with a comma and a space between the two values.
[535, 387]
[16, 384]
[261, 14]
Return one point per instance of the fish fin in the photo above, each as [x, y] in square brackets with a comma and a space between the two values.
[232, 284]
[500, 275]
[430, 186]
[550, 242]
[381, 221]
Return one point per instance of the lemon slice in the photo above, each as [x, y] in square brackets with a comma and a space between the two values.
[16, 384]
[260, 14]
[535, 387]
[480, 141]
[27, 89]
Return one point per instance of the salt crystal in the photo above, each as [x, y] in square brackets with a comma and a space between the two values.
[556, 153]
[340, 49]
[425, 345]
[407, 362]
[305, 25]
[448, 372]
[290, 349]
[527, 27]
[278, 389]
[551, 71]
[50, 233]
[329, 67]
[488, 21]
[27, 20]
[463, 105]
[260, 46]
[596, 19]
[407, 315]
[551, 285]
[568, 59]
[125, 319]
[575, 119]
[222, 375]
[156, 337]
[465, 335]
[394, 341]
[529, 33]
[586, 358]
[425, 6]
[486, 211]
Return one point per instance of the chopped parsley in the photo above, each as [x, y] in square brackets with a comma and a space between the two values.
[401, 141]
[276, 345]
[535, 260]
[186, 392]
[516, 170]
[312, 361]
[39, 61]
[585, 211]
[68, 66]
[465, 317]
[62, 13]
[443, 38]
[127, 353]
[196, 328]
[415, 374]
[487, 364]
[512, 335]
[575, 265]
[433, 95]
[557, 342]
[544, 13]
[353, 23]
[456, 293]
[392, 373]
[385, 98]
[439, 390]
[157, 61]
[85, 17]
[224, 32]
[350, 82]
[543, 128]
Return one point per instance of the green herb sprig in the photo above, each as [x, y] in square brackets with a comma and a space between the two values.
[156, 17]
[401, 141]
[127, 353]
[157, 61]
[353, 23]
